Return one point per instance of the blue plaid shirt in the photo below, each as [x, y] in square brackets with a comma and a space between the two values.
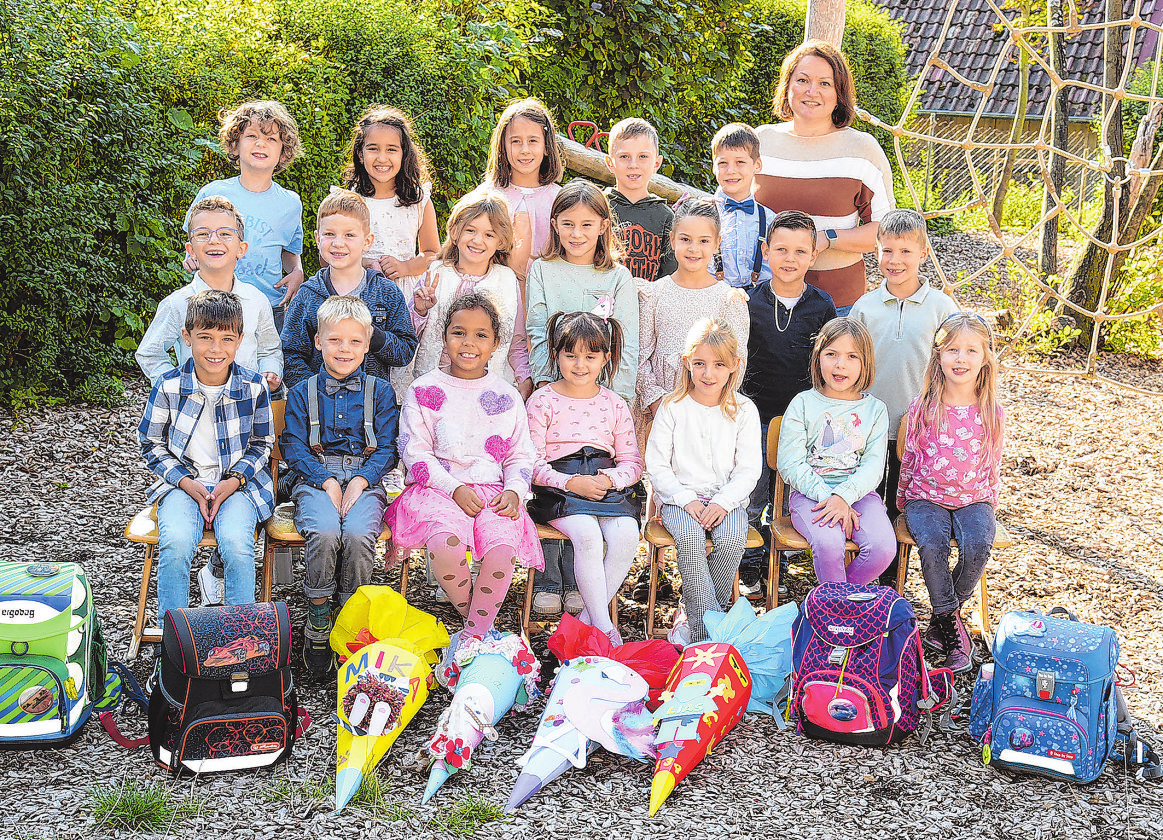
[244, 431]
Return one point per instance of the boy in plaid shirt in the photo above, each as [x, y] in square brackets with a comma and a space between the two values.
[207, 435]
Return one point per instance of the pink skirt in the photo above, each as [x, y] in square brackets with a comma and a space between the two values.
[420, 513]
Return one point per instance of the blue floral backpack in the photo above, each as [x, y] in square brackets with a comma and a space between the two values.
[1050, 704]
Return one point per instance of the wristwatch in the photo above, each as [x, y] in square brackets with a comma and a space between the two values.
[236, 474]
[831, 234]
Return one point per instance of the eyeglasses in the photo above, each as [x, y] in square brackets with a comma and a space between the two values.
[226, 235]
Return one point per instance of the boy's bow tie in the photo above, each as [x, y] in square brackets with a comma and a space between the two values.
[331, 386]
[747, 206]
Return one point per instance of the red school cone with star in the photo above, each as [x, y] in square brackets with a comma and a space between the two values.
[706, 695]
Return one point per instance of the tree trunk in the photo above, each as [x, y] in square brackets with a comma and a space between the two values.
[825, 21]
[1059, 139]
[1084, 285]
[1016, 132]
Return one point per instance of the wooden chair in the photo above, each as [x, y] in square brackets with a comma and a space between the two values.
[784, 536]
[659, 539]
[548, 532]
[905, 543]
[142, 528]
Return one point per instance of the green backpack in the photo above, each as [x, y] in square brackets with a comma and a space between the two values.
[52, 654]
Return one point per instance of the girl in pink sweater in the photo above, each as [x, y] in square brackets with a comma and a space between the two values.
[951, 473]
[465, 442]
[586, 481]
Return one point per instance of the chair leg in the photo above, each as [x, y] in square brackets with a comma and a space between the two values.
[268, 570]
[405, 568]
[528, 610]
[983, 614]
[735, 588]
[143, 593]
[772, 576]
[902, 566]
[652, 597]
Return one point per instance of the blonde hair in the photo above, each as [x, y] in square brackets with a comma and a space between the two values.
[343, 308]
[581, 191]
[267, 114]
[490, 204]
[717, 334]
[926, 421]
[630, 128]
[345, 203]
[499, 170]
[216, 204]
[829, 334]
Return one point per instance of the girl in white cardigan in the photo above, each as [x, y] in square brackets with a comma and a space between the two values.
[703, 458]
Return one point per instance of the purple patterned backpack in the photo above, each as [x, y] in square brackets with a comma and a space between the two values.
[859, 676]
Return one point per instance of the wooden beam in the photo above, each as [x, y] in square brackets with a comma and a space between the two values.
[825, 21]
[591, 164]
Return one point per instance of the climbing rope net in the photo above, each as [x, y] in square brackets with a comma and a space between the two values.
[1123, 174]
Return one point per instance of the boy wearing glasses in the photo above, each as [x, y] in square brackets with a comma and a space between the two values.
[902, 316]
[216, 242]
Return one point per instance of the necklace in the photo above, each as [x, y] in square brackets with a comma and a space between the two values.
[784, 328]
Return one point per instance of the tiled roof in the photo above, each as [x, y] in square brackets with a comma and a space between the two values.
[973, 44]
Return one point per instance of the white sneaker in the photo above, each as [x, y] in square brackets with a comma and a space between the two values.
[440, 596]
[547, 603]
[680, 633]
[573, 602]
[213, 588]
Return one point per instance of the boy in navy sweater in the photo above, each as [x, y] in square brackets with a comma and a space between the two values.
[343, 233]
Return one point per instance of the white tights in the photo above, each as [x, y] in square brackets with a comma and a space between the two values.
[603, 550]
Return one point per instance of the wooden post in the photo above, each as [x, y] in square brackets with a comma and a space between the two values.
[1060, 139]
[591, 164]
[825, 21]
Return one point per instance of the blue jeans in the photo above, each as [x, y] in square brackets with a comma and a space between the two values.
[179, 527]
[340, 553]
[931, 525]
[558, 575]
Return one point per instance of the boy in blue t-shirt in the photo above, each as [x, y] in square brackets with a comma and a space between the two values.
[262, 139]
[735, 158]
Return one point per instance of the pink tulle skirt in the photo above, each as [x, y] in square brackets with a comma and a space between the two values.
[420, 513]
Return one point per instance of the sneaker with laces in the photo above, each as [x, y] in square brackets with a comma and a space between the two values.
[317, 655]
[213, 588]
[751, 582]
[641, 591]
[547, 603]
[958, 653]
[680, 634]
[932, 639]
[573, 602]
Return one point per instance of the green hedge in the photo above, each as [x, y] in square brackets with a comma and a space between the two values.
[109, 112]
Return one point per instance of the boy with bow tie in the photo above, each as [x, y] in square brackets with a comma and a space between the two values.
[735, 157]
[339, 442]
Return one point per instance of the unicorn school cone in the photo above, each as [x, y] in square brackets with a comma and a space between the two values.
[488, 676]
[382, 684]
[705, 697]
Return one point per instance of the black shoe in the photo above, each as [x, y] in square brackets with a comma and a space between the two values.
[751, 582]
[641, 592]
[317, 655]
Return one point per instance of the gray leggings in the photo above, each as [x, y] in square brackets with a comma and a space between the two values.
[708, 581]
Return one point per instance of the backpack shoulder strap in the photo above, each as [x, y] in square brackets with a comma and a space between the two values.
[314, 437]
[370, 444]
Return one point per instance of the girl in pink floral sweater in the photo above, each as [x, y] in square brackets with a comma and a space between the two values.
[950, 475]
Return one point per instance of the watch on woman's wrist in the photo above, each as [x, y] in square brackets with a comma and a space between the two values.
[830, 233]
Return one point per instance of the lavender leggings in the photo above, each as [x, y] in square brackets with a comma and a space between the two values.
[875, 537]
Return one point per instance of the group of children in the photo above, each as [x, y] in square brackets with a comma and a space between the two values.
[561, 344]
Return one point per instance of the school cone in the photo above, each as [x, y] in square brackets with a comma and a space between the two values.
[705, 697]
[489, 677]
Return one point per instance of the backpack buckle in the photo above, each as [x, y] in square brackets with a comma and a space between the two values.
[239, 682]
[836, 657]
[1044, 685]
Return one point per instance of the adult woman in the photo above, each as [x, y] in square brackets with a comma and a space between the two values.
[815, 162]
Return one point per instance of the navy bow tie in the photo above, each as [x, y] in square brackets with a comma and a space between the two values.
[747, 206]
[331, 386]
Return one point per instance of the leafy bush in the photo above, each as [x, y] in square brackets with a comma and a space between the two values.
[872, 44]
[92, 173]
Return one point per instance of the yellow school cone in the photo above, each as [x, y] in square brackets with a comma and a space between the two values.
[660, 788]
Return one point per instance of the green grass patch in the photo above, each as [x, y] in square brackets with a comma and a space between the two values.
[371, 797]
[140, 806]
[468, 815]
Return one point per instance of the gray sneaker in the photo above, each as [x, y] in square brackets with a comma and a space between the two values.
[213, 588]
